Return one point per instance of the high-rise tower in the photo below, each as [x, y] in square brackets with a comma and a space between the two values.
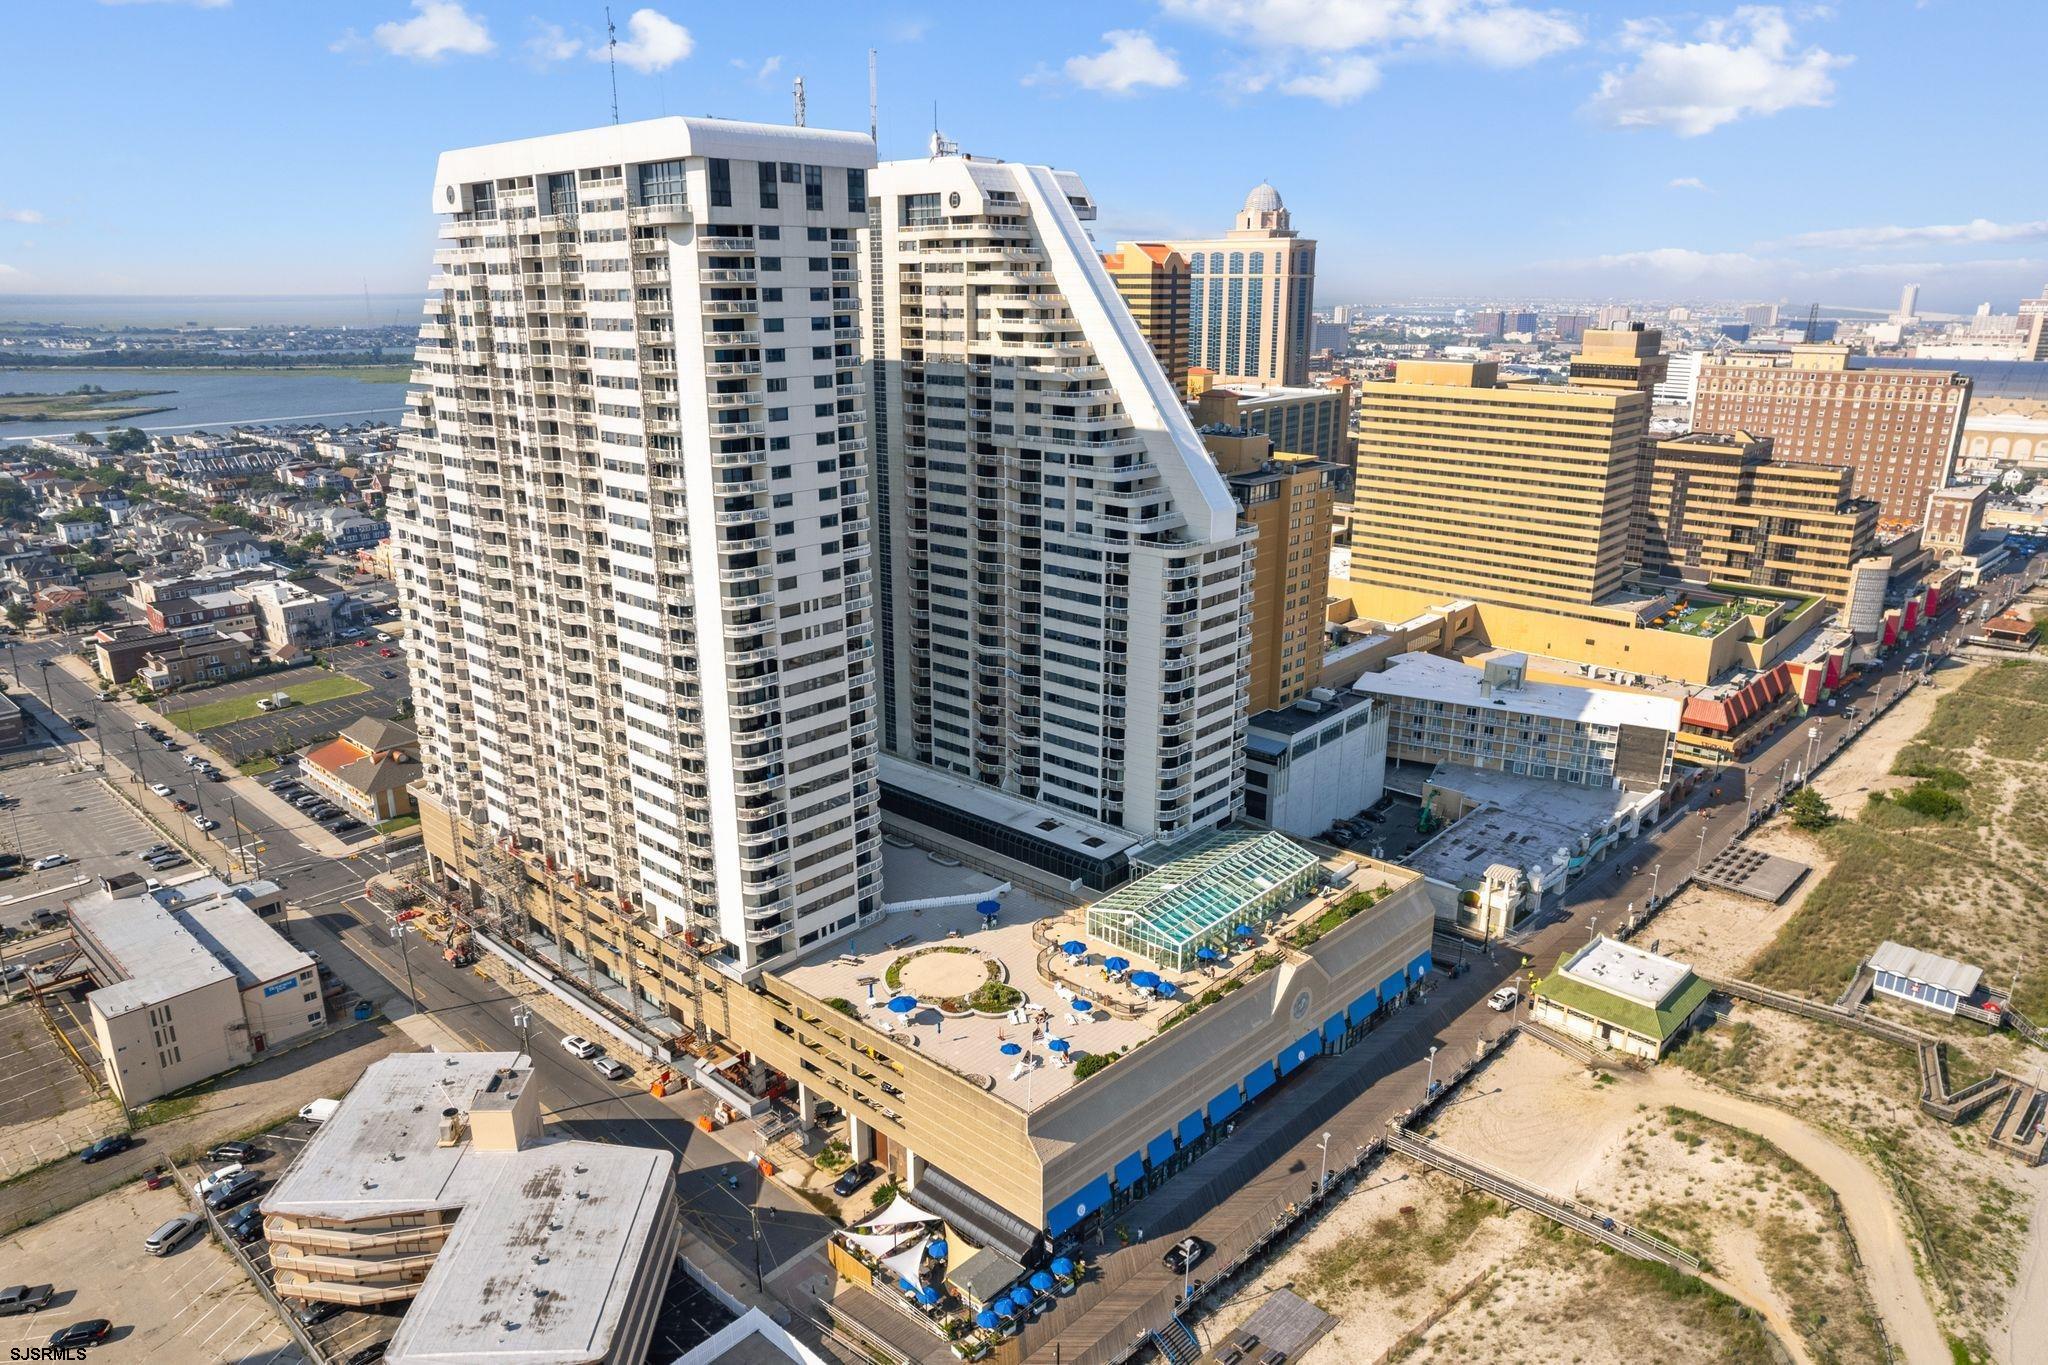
[1063, 574]
[634, 545]
[1252, 296]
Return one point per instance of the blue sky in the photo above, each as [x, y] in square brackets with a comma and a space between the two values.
[1483, 148]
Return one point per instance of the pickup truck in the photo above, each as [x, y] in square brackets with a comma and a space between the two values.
[24, 1298]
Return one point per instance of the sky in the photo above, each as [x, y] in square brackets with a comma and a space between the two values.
[1499, 150]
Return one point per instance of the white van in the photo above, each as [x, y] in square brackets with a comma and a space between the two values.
[171, 1235]
[319, 1111]
[1503, 999]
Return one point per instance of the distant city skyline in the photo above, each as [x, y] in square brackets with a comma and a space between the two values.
[1592, 152]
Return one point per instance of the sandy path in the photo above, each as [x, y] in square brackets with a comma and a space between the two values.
[1742, 1277]
[2027, 1309]
[1874, 1220]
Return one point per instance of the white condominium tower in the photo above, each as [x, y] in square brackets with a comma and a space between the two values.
[1064, 580]
[635, 557]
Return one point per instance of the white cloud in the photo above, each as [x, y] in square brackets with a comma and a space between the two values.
[440, 27]
[20, 216]
[909, 30]
[551, 43]
[1976, 232]
[1679, 264]
[1131, 62]
[1336, 80]
[8, 270]
[1687, 182]
[759, 73]
[1742, 66]
[654, 42]
[1333, 50]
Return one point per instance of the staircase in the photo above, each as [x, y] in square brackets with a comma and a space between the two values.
[1177, 1343]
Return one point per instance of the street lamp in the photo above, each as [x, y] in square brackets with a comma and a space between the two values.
[1653, 884]
[1812, 744]
[47, 699]
[1700, 862]
[753, 1218]
[1323, 1180]
[402, 935]
[522, 1019]
[1430, 1088]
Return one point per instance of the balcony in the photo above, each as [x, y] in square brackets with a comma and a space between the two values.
[673, 213]
[745, 244]
[725, 369]
[738, 398]
[722, 308]
[717, 275]
[712, 338]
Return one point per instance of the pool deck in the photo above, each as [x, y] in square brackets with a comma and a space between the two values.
[1025, 943]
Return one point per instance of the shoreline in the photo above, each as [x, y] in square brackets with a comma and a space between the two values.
[368, 374]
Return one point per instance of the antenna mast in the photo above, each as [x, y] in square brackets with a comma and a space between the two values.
[611, 56]
[798, 90]
[871, 97]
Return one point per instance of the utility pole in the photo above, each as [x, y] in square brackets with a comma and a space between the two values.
[1700, 863]
[47, 699]
[233, 819]
[402, 934]
[1654, 870]
[522, 1019]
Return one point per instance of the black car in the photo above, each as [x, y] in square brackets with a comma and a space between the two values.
[313, 1314]
[245, 1224]
[91, 1332]
[233, 1151]
[855, 1177]
[348, 826]
[374, 1351]
[106, 1147]
[80, 723]
[1185, 1255]
[232, 1191]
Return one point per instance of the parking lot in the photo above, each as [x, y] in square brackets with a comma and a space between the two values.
[195, 1304]
[351, 1329]
[689, 1317]
[298, 726]
[54, 810]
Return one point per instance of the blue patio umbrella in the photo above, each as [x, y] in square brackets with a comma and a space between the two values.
[1206, 954]
[1073, 947]
[1041, 1281]
[905, 1285]
[1062, 1266]
[1115, 964]
[1010, 1049]
[990, 907]
[1021, 1297]
[1167, 989]
[1148, 980]
[928, 1296]
[987, 1321]
[1057, 1044]
[1245, 931]
[1080, 1006]
[936, 1248]
[903, 1004]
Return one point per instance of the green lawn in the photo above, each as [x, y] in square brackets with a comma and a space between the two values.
[212, 715]
[256, 767]
[397, 824]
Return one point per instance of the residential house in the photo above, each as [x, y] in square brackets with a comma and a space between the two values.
[367, 770]
[205, 658]
[118, 651]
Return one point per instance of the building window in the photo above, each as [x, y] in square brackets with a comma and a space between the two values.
[767, 181]
[856, 190]
[721, 183]
[814, 188]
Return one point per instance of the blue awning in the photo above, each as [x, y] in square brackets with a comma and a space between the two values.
[1259, 1080]
[1419, 968]
[1333, 1027]
[1159, 1150]
[1306, 1048]
[1224, 1105]
[1191, 1128]
[1360, 1010]
[1130, 1171]
[1393, 985]
[1075, 1207]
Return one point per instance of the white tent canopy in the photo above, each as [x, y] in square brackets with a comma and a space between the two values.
[875, 1244]
[906, 1264]
[900, 1213]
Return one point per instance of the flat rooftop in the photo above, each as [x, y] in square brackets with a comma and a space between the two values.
[1523, 822]
[944, 950]
[1627, 971]
[176, 939]
[1054, 827]
[1288, 721]
[1431, 677]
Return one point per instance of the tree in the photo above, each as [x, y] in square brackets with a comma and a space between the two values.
[85, 438]
[126, 441]
[1809, 809]
[17, 615]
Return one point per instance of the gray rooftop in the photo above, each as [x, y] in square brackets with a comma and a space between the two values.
[1050, 826]
[1931, 968]
[1293, 720]
[174, 940]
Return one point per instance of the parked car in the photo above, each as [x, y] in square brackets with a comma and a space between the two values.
[171, 1235]
[313, 1314]
[1185, 1255]
[80, 723]
[348, 826]
[233, 1190]
[245, 1224]
[578, 1046]
[386, 652]
[320, 1110]
[106, 1147]
[25, 1298]
[54, 860]
[182, 804]
[233, 1151]
[855, 1176]
[161, 789]
[611, 1068]
[91, 1332]
[213, 1180]
[207, 823]
[164, 862]
[366, 1355]
[154, 849]
[387, 673]
[1503, 999]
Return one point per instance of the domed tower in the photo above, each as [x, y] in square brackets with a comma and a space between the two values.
[1263, 212]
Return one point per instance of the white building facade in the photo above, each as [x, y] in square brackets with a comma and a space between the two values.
[1063, 577]
[632, 530]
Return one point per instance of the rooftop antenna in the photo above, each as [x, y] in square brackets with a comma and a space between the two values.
[1813, 322]
[611, 56]
[871, 98]
[797, 89]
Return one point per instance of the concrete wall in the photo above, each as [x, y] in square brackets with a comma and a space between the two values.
[293, 1010]
[192, 1036]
